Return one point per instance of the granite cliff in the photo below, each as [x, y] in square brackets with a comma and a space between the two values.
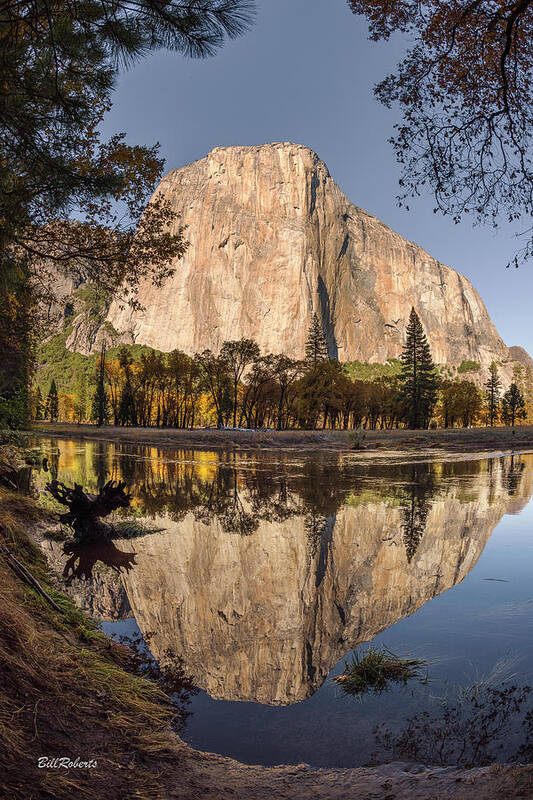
[522, 356]
[273, 240]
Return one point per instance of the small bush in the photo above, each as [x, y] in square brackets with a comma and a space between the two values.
[356, 439]
[469, 366]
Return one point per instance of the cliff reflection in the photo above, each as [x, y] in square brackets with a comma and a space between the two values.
[267, 570]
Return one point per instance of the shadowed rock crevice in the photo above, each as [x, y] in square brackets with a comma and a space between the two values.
[327, 326]
[313, 188]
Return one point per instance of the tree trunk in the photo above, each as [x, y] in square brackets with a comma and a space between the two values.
[86, 510]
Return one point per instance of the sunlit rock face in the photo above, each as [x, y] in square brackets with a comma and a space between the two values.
[522, 356]
[273, 240]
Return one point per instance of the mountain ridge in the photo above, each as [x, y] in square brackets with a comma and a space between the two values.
[273, 240]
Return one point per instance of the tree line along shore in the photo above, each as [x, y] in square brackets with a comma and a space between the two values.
[241, 388]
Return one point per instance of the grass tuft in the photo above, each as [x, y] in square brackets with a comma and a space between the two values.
[374, 670]
[356, 439]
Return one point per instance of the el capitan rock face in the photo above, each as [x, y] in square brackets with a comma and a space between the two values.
[272, 240]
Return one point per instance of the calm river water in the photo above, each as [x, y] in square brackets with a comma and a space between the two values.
[264, 572]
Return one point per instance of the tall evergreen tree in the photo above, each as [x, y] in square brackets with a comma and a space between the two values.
[58, 65]
[493, 386]
[127, 411]
[51, 409]
[418, 381]
[38, 405]
[513, 405]
[100, 409]
[316, 349]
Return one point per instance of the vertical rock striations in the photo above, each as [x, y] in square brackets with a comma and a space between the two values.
[272, 240]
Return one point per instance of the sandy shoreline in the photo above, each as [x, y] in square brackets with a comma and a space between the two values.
[215, 776]
[382, 444]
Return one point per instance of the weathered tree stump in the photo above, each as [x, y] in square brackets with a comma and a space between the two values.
[86, 510]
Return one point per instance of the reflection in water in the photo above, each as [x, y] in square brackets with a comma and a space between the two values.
[422, 488]
[469, 730]
[85, 555]
[318, 528]
[512, 473]
[269, 569]
[53, 463]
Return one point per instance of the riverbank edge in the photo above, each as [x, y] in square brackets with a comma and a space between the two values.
[385, 443]
[172, 769]
[176, 771]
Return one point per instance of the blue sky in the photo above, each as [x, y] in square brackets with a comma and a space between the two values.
[305, 73]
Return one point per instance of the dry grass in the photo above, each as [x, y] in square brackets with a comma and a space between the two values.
[373, 671]
[457, 439]
[64, 692]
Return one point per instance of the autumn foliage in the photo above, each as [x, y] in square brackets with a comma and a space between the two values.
[465, 93]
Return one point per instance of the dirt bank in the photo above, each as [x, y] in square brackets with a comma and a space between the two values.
[459, 440]
[213, 776]
[64, 693]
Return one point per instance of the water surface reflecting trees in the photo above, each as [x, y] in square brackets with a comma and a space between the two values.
[267, 569]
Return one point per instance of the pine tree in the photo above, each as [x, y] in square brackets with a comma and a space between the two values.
[418, 380]
[38, 404]
[80, 399]
[100, 409]
[316, 349]
[51, 409]
[493, 386]
[513, 405]
[127, 411]
[528, 392]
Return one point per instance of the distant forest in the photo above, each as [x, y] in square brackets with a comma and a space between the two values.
[240, 387]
